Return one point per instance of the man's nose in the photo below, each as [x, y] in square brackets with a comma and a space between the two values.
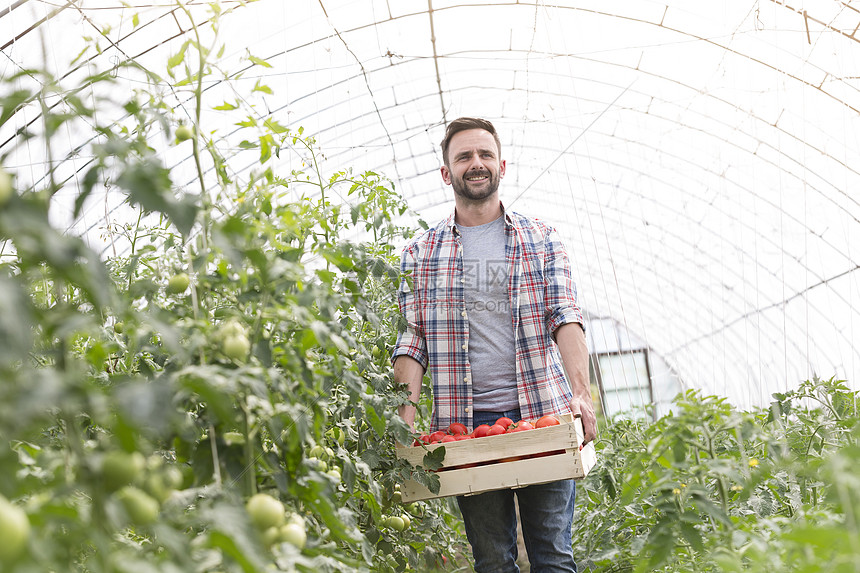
[476, 163]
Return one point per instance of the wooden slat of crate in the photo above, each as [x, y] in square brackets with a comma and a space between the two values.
[495, 474]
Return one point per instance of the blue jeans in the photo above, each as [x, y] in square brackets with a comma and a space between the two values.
[546, 515]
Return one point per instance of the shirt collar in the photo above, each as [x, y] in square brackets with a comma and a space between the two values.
[451, 226]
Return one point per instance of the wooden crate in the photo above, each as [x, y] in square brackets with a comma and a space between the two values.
[506, 461]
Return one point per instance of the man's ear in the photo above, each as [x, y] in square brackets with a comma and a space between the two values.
[502, 167]
[446, 174]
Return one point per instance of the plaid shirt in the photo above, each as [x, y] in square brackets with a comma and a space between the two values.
[436, 330]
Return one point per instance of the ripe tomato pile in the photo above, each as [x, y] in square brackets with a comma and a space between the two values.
[457, 431]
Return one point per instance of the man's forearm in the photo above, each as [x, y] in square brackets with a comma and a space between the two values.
[574, 354]
[410, 372]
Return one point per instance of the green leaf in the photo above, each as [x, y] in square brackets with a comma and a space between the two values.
[259, 61]
[266, 142]
[89, 181]
[433, 459]
[177, 58]
[693, 537]
[258, 87]
[376, 421]
[148, 185]
[10, 104]
[226, 106]
[275, 127]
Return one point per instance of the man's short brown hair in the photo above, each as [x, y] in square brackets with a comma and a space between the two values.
[464, 123]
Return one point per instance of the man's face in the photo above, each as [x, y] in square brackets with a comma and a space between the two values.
[474, 169]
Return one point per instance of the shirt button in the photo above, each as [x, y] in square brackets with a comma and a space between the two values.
[466, 409]
[463, 314]
[465, 347]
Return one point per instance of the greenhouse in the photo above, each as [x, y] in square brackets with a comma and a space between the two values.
[203, 207]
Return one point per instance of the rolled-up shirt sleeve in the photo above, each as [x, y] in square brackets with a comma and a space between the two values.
[410, 338]
[561, 304]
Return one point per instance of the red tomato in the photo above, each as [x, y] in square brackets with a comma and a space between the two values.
[481, 431]
[547, 421]
[446, 439]
[504, 422]
[437, 436]
[464, 437]
[524, 425]
[496, 430]
[457, 429]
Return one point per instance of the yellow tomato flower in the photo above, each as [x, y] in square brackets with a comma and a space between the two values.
[676, 491]
[753, 462]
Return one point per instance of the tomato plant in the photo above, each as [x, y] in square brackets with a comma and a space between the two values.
[238, 323]
[713, 489]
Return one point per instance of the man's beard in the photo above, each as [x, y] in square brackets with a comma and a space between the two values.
[461, 186]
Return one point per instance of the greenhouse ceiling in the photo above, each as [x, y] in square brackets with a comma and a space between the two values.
[700, 159]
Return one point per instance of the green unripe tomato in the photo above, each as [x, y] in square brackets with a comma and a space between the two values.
[141, 507]
[172, 477]
[14, 530]
[271, 536]
[406, 521]
[121, 468]
[336, 435]
[162, 481]
[119, 327]
[265, 511]
[415, 508]
[294, 534]
[237, 438]
[6, 188]
[184, 133]
[317, 452]
[231, 327]
[396, 497]
[236, 347]
[155, 486]
[297, 519]
[320, 465]
[395, 522]
[178, 283]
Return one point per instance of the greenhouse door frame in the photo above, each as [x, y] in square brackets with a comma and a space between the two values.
[599, 376]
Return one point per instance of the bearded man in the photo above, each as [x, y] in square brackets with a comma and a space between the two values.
[490, 309]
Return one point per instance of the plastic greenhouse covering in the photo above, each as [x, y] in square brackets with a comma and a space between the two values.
[700, 159]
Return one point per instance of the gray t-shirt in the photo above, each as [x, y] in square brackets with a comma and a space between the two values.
[491, 345]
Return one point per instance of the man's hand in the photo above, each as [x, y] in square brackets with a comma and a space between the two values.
[585, 408]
